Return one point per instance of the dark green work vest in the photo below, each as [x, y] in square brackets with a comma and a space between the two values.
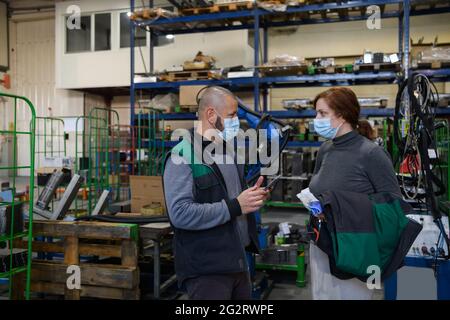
[217, 250]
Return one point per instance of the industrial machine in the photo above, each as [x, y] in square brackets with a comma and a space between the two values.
[415, 136]
[41, 210]
[422, 183]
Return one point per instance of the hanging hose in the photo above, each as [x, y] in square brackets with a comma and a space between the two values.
[414, 116]
[258, 121]
[140, 220]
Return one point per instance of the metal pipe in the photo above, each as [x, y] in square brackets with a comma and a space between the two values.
[156, 270]
[406, 10]
[256, 60]
[152, 45]
[132, 67]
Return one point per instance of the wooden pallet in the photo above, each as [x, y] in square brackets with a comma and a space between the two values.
[274, 2]
[280, 71]
[429, 4]
[188, 75]
[376, 67]
[329, 70]
[223, 7]
[437, 64]
[149, 13]
[321, 1]
[188, 108]
[340, 13]
[89, 239]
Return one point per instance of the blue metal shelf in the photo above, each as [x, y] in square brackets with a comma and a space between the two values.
[304, 144]
[259, 19]
[295, 81]
[171, 116]
[262, 13]
[384, 76]
[365, 112]
[163, 25]
[238, 82]
[159, 143]
[302, 80]
[280, 114]
[310, 113]
[293, 144]
[294, 114]
[435, 74]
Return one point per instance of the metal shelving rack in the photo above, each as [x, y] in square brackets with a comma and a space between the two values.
[50, 142]
[123, 146]
[103, 160]
[151, 148]
[19, 276]
[50, 138]
[260, 19]
[81, 162]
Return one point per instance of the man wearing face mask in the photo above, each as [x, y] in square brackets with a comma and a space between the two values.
[209, 205]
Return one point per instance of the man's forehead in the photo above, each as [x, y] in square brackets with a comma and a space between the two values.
[232, 100]
[232, 106]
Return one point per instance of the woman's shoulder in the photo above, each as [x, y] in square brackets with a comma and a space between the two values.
[324, 149]
[371, 149]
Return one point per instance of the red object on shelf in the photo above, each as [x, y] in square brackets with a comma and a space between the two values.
[410, 163]
[6, 81]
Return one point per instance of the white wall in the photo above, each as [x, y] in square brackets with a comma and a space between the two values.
[112, 68]
[3, 35]
[350, 38]
[32, 53]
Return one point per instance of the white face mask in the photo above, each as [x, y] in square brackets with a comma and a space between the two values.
[231, 128]
[323, 128]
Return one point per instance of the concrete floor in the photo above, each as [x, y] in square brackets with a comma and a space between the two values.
[284, 287]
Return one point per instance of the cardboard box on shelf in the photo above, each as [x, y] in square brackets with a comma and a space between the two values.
[196, 65]
[417, 49]
[146, 190]
[188, 95]
[44, 174]
[45, 170]
[57, 162]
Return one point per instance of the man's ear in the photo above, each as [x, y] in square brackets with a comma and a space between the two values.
[210, 115]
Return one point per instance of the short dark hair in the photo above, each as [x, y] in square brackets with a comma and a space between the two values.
[343, 102]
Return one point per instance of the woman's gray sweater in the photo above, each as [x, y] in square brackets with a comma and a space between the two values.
[352, 162]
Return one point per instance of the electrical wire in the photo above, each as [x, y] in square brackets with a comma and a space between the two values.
[416, 104]
[140, 48]
[139, 220]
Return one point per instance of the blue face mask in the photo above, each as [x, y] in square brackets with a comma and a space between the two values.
[324, 129]
[231, 128]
